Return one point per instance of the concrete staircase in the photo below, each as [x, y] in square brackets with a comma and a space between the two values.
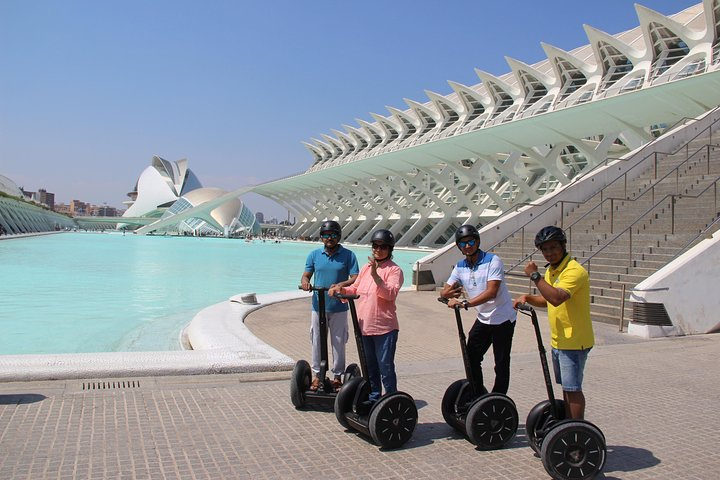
[633, 227]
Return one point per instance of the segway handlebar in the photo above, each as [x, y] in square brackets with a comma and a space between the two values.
[526, 307]
[315, 289]
[343, 296]
[447, 300]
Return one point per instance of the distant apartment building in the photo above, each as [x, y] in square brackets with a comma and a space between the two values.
[62, 208]
[41, 196]
[78, 208]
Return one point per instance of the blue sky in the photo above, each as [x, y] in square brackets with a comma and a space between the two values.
[91, 90]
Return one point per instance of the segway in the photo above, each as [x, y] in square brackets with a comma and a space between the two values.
[390, 421]
[569, 449]
[488, 420]
[300, 393]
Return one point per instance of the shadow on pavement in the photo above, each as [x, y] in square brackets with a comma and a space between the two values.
[21, 398]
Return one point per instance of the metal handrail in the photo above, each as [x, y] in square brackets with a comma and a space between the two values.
[602, 164]
[673, 197]
[612, 199]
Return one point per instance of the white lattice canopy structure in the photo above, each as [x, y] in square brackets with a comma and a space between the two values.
[423, 169]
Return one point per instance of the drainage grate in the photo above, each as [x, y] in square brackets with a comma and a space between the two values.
[111, 385]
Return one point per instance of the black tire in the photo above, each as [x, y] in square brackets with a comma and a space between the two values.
[299, 383]
[392, 420]
[492, 421]
[538, 421]
[344, 400]
[351, 371]
[574, 450]
[457, 395]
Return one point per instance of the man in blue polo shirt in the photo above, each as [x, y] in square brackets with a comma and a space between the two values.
[333, 266]
[481, 275]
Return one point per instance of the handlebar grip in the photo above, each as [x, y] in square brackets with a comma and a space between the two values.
[344, 296]
[525, 306]
[443, 300]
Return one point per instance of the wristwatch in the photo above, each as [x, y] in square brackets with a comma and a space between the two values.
[465, 304]
[535, 277]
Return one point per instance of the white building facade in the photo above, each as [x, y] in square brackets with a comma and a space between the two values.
[469, 156]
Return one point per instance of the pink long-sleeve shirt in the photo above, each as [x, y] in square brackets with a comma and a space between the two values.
[376, 310]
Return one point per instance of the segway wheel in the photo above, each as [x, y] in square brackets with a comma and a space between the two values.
[539, 420]
[492, 421]
[574, 450]
[392, 420]
[299, 383]
[453, 402]
[351, 371]
[344, 400]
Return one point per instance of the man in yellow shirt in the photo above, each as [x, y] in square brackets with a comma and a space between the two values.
[565, 291]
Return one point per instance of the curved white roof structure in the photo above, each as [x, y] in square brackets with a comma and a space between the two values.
[170, 192]
[480, 150]
[9, 187]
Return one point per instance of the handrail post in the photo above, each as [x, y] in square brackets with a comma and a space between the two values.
[655, 169]
[612, 211]
[672, 215]
[625, 179]
[562, 213]
[622, 308]
[708, 158]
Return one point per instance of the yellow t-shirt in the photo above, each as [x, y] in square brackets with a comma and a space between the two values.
[570, 324]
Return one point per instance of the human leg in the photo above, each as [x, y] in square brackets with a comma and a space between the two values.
[502, 336]
[569, 366]
[315, 342]
[387, 344]
[337, 321]
[373, 370]
[478, 343]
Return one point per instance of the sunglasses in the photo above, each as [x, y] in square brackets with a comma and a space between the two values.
[329, 235]
[379, 246]
[469, 243]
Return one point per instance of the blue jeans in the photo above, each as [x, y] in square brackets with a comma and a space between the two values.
[569, 366]
[380, 358]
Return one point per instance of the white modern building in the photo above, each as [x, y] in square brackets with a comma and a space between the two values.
[171, 193]
[430, 165]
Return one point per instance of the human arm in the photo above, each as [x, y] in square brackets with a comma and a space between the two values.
[552, 295]
[305, 281]
[490, 292]
[451, 291]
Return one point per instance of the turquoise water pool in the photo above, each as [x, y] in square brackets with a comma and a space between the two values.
[75, 292]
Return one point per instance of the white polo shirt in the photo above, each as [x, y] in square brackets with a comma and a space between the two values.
[474, 279]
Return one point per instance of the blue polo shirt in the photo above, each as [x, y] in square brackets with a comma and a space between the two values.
[328, 270]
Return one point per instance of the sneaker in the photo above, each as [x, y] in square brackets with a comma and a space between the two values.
[336, 384]
[315, 384]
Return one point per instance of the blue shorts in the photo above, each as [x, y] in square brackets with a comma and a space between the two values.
[569, 366]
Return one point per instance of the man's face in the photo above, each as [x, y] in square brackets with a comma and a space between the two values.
[330, 239]
[553, 251]
[468, 245]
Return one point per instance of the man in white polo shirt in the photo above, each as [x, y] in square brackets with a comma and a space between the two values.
[481, 274]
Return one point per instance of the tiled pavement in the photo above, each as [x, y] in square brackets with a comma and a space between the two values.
[655, 400]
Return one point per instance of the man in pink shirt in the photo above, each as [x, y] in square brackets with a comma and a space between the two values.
[378, 285]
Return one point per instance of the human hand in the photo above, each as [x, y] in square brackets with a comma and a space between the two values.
[530, 268]
[454, 302]
[305, 285]
[519, 300]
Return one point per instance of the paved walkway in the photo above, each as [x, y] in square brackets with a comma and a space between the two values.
[655, 400]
